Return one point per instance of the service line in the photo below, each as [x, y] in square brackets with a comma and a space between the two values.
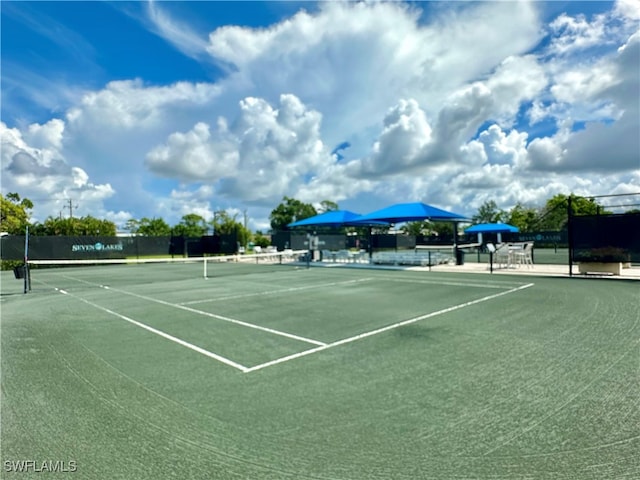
[276, 291]
[384, 329]
[206, 314]
[177, 340]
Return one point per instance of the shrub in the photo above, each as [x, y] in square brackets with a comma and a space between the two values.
[603, 255]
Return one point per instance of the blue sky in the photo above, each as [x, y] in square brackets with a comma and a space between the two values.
[158, 109]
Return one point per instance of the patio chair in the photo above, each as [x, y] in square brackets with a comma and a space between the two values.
[502, 256]
[524, 256]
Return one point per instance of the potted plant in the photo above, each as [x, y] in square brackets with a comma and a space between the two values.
[603, 260]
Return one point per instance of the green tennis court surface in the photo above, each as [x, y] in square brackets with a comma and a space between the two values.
[140, 371]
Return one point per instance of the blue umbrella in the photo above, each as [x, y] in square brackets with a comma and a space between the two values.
[411, 212]
[492, 228]
[333, 218]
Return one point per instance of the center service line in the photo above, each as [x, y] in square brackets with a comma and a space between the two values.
[277, 291]
[383, 329]
[207, 314]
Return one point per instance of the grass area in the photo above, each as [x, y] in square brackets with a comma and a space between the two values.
[413, 375]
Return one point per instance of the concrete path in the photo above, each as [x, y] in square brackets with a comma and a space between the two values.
[546, 270]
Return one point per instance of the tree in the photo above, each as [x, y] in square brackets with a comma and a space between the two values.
[442, 228]
[154, 227]
[489, 213]
[554, 216]
[75, 226]
[327, 206]
[525, 218]
[191, 225]
[14, 213]
[260, 240]
[225, 224]
[93, 226]
[417, 228]
[132, 226]
[290, 210]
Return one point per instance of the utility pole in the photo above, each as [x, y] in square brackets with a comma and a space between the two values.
[71, 207]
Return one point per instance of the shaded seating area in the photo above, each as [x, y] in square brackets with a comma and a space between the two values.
[345, 256]
[418, 258]
[512, 255]
[386, 217]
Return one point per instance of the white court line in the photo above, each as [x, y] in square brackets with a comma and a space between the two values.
[484, 284]
[453, 284]
[206, 314]
[272, 292]
[497, 286]
[384, 329]
[195, 348]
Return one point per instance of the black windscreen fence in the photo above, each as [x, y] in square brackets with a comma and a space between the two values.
[388, 241]
[541, 238]
[300, 241]
[101, 247]
[605, 238]
[283, 240]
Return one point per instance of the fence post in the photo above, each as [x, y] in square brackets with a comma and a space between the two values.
[570, 235]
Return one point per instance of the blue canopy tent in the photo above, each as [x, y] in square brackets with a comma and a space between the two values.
[336, 219]
[498, 228]
[492, 228]
[414, 212]
[411, 212]
[333, 218]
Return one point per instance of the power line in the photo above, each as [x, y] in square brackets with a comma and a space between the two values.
[71, 207]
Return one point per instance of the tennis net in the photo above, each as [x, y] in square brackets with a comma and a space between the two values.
[75, 274]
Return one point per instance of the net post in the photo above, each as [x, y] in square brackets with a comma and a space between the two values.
[26, 277]
[429, 258]
[204, 260]
[570, 235]
[25, 266]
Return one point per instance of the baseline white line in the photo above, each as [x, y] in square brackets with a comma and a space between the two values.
[206, 314]
[384, 329]
[177, 340]
[271, 292]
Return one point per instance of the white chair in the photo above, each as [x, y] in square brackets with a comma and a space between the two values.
[502, 256]
[524, 256]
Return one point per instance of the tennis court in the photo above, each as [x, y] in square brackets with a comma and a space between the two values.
[152, 371]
